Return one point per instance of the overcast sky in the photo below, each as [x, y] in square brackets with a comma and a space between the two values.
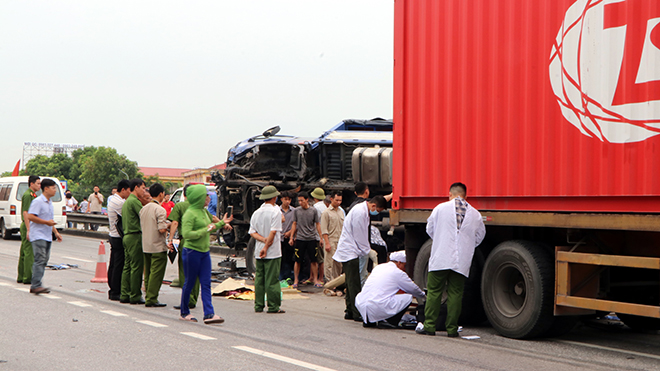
[177, 83]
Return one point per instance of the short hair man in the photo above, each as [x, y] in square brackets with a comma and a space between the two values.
[26, 254]
[153, 222]
[84, 205]
[95, 205]
[265, 228]
[451, 257]
[131, 280]
[305, 236]
[332, 221]
[116, 265]
[288, 215]
[42, 228]
[353, 244]
[378, 302]
[318, 198]
[70, 205]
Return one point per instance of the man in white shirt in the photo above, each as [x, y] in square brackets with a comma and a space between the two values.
[95, 205]
[353, 244]
[265, 228]
[116, 265]
[70, 205]
[456, 229]
[318, 195]
[378, 302]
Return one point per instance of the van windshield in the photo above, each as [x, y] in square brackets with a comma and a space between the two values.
[22, 187]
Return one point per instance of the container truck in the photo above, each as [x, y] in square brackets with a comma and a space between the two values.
[549, 112]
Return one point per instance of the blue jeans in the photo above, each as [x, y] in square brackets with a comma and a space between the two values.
[41, 249]
[196, 265]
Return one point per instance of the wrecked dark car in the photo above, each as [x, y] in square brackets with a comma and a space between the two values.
[353, 150]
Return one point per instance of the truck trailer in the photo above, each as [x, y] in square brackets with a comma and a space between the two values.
[549, 112]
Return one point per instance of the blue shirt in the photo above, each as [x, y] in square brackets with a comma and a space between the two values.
[43, 208]
[213, 204]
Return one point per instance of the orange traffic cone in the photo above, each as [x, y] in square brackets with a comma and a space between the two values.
[101, 275]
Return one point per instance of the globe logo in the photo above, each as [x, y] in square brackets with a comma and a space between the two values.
[605, 69]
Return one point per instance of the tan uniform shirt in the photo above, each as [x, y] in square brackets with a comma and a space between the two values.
[95, 204]
[152, 218]
[332, 221]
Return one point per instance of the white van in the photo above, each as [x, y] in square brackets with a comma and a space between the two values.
[11, 192]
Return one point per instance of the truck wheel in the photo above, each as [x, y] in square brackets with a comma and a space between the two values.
[6, 233]
[517, 289]
[250, 261]
[472, 312]
[638, 323]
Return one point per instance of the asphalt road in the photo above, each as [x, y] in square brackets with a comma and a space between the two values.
[77, 328]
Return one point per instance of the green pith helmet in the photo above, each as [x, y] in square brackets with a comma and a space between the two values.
[269, 192]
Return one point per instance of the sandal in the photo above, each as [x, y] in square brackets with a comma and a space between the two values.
[277, 311]
[329, 292]
[308, 282]
[295, 286]
[214, 319]
[188, 318]
[339, 293]
[318, 285]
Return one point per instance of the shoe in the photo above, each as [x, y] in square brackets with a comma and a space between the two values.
[19, 281]
[39, 290]
[179, 307]
[277, 311]
[124, 301]
[156, 305]
[386, 325]
[27, 282]
[452, 335]
[424, 332]
[348, 315]
[139, 302]
[114, 297]
[259, 310]
[358, 319]
[369, 324]
[209, 320]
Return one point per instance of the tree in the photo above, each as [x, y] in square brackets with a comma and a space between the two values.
[87, 167]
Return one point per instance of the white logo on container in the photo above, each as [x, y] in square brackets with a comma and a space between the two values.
[605, 69]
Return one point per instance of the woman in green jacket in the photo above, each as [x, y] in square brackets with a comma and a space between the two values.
[196, 230]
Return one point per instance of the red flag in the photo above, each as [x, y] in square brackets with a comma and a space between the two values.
[15, 172]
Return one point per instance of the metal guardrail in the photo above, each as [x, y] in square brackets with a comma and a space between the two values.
[87, 219]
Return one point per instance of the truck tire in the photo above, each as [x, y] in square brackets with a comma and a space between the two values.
[517, 289]
[6, 233]
[472, 312]
[250, 261]
[639, 323]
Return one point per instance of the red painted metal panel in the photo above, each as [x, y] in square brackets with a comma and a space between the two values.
[549, 105]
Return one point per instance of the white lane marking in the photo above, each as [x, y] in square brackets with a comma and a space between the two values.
[278, 357]
[113, 313]
[52, 297]
[80, 304]
[608, 348]
[22, 289]
[78, 259]
[152, 324]
[5, 284]
[198, 336]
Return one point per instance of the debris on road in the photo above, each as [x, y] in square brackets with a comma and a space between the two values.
[58, 267]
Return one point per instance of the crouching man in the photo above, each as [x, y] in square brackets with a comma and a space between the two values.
[378, 302]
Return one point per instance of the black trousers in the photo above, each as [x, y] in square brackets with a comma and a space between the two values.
[116, 266]
[353, 285]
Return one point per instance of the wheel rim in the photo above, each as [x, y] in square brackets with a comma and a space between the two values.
[509, 290]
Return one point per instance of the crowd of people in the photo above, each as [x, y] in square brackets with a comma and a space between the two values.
[317, 242]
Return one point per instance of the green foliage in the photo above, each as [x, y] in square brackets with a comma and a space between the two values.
[87, 167]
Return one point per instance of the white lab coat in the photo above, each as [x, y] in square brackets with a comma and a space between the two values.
[378, 299]
[453, 248]
[354, 239]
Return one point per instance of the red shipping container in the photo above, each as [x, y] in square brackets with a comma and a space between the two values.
[549, 105]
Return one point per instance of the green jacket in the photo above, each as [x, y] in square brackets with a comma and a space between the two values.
[196, 220]
[130, 215]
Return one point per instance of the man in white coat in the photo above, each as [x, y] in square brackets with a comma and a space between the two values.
[456, 229]
[353, 244]
[378, 302]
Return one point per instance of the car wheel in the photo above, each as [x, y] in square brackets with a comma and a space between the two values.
[517, 289]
